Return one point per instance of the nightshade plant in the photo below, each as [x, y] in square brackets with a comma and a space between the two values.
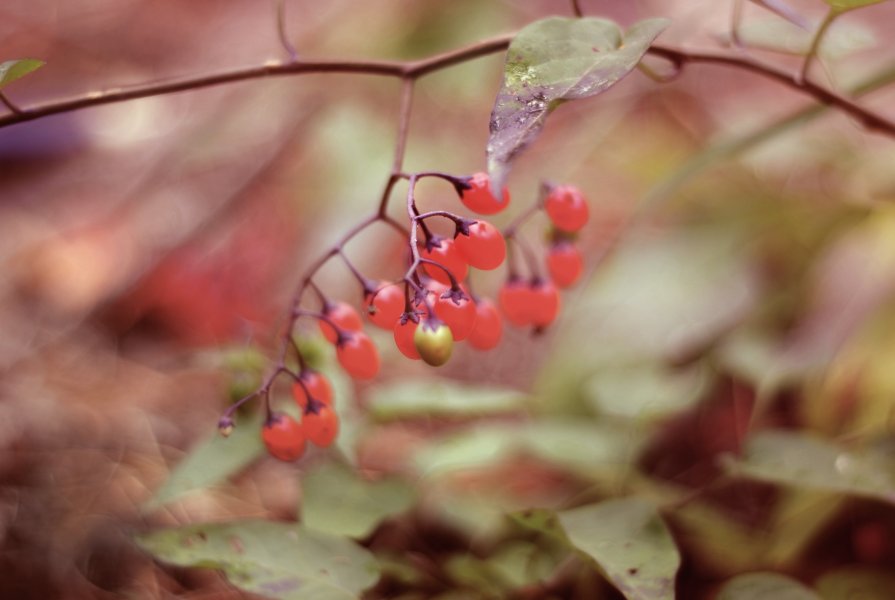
[433, 306]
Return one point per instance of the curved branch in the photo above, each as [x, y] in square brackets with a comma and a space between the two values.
[414, 69]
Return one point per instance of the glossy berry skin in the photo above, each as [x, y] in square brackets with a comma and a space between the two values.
[284, 437]
[543, 303]
[358, 355]
[448, 255]
[564, 263]
[488, 327]
[459, 315]
[386, 305]
[515, 299]
[404, 338]
[567, 208]
[479, 199]
[484, 248]
[317, 385]
[434, 342]
[345, 318]
[321, 427]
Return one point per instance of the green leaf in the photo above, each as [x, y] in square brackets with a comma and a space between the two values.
[631, 544]
[805, 461]
[433, 398]
[279, 560]
[16, 69]
[211, 461]
[844, 5]
[758, 586]
[554, 60]
[647, 391]
[336, 500]
[851, 583]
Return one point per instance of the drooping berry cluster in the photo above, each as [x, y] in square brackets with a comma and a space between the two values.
[431, 307]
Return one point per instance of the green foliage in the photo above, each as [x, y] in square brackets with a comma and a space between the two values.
[806, 461]
[631, 544]
[282, 560]
[430, 398]
[550, 62]
[757, 586]
[16, 69]
[210, 462]
[336, 500]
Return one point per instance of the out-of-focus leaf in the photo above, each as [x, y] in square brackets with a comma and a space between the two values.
[541, 520]
[475, 448]
[584, 446]
[434, 398]
[801, 460]
[473, 573]
[853, 583]
[552, 61]
[280, 560]
[631, 544]
[336, 500]
[590, 449]
[646, 392]
[16, 69]
[844, 5]
[852, 280]
[522, 563]
[780, 36]
[211, 461]
[759, 586]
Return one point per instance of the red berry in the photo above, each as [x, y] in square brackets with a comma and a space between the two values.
[385, 305]
[321, 427]
[488, 327]
[479, 199]
[433, 341]
[317, 385]
[484, 248]
[445, 253]
[345, 318]
[404, 338]
[567, 208]
[544, 303]
[458, 315]
[565, 264]
[358, 355]
[283, 437]
[514, 298]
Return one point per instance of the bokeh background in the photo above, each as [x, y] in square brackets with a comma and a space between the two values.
[741, 271]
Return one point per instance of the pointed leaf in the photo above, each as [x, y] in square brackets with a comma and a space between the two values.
[15, 69]
[336, 500]
[211, 461]
[809, 462]
[552, 61]
[279, 560]
[758, 586]
[631, 544]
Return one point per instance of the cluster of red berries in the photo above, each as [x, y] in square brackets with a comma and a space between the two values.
[286, 438]
[432, 307]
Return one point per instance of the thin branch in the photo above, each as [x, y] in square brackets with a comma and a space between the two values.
[415, 69]
[9, 104]
[868, 118]
[815, 44]
[403, 124]
[576, 8]
[281, 30]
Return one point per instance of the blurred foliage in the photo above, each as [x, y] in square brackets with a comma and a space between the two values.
[712, 416]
